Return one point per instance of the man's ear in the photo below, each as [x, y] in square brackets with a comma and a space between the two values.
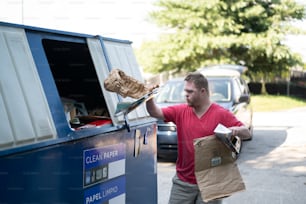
[203, 90]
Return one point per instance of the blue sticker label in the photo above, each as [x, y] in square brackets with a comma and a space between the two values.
[102, 164]
[101, 156]
[105, 192]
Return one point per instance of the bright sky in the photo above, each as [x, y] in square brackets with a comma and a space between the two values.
[123, 19]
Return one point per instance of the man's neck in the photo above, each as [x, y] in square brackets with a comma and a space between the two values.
[201, 109]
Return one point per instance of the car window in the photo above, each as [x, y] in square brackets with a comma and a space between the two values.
[242, 87]
[220, 89]
[237, 88]
[172, 92]
[245, 88]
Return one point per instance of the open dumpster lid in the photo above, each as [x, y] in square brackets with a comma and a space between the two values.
[223, 69]
[124, 108]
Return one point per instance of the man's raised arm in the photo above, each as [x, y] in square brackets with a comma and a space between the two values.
[154, 110]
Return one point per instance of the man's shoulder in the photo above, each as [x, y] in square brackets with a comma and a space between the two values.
[176, 109]
[216, 107]
[177, 106]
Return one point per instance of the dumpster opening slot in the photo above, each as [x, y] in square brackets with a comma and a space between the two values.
[77, 83]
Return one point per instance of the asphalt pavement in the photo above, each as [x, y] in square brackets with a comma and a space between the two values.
[272, 165]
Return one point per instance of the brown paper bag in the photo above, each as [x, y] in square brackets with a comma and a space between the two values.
[216, 171]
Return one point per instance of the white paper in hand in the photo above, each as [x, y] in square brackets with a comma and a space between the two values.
[225, 135]
[221, 129]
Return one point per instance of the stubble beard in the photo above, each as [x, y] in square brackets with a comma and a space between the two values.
[190, 103]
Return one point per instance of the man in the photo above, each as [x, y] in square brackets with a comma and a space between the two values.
[198, 118]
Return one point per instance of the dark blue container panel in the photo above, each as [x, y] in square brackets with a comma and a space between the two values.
[105, 165]
[114, 167]
[35, 39]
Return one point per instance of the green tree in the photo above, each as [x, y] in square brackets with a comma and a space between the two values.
[205, 32]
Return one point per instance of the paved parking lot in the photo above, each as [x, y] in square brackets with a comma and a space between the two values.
[273, 164]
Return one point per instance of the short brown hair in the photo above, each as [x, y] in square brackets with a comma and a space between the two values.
[198, 79]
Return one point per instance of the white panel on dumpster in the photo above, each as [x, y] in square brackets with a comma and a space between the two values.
[7, 137]
[121, 56]
[23, 97]
[99, 61]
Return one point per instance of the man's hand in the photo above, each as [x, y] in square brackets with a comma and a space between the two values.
[152, 87]
[241, 131]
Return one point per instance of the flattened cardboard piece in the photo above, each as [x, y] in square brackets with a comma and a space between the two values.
[216, 171]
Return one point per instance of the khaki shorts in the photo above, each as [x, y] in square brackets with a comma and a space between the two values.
[186, 193]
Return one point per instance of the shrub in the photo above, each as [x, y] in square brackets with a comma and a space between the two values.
[255, 87]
